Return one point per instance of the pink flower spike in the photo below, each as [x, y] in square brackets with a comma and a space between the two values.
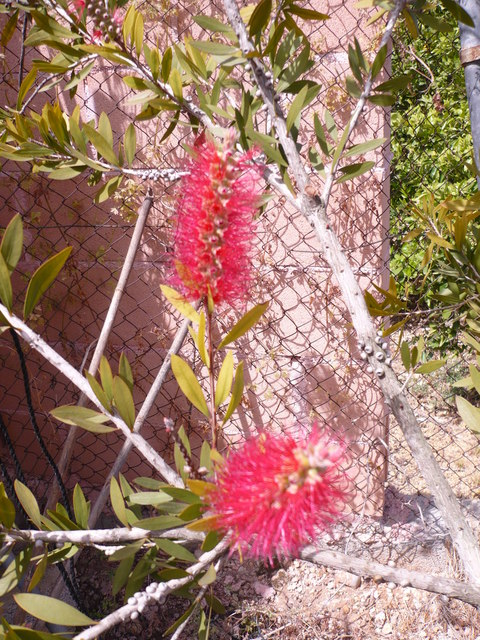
[214, 224]
[275, 493]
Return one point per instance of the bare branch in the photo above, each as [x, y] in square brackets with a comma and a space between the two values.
[98, 536]
[403, 577]
[36, 342]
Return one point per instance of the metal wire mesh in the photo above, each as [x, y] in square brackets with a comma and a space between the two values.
[302, 361]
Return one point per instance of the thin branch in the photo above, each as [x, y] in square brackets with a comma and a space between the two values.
[67, 449]
[64, 367]
[98, 536]
[140, 419]
[155, 592]
[403, 577]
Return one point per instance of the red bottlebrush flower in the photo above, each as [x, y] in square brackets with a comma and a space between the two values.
[214, 224]
[274, 493]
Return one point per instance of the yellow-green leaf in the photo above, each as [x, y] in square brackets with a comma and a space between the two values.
[189, 384]
[225, 378]
[245, 323]
[106, 377]
[83, 417]
[98, 391]
[101, 144]
[7, 512]
[6, 294]
[51, 610]
[81, 507]
[123, 399]
[208, 577]
[118, 503]
[130, 143]
[430, 367]
[175, 81]
[12, 242]
[175, 550]
[39, 572]
[125, 370]
[237, 392]
[178, 301]
[296, 107]
[29, 503]
[43, 278]
[469, 414]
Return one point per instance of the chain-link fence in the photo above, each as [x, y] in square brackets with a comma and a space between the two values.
[302, 363]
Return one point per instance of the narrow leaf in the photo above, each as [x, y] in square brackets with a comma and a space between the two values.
[237, 392]
[225, 378]
[12, 242]
[296, 107]
[130, 143]
[245, 323]
[118, 503]
[43, 278]
[189, 384]
[469, 414]
[29, 503]
[123, 399]
[208, 577]
[178, 301]
[6, 293]
[430, 367]
[82, 417]
[51, 610]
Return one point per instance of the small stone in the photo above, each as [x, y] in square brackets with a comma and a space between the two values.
[387, 629]
[263, 590]
[380, 617]
[377, 579]
[348, 579]
[391, 585]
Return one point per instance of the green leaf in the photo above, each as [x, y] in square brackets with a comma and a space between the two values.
[208, 577]
[178, 301]
[175, 550]
[354, 170]
[205, 459]
[130, 144]
[185, 616]
[331, 126]
[6, 293]
[108, 189]
[9, 28]
[237, 392]
[405, 353]
[225, 378]
[39, 572]
[469, 414]
[7, 512]
[306, 14]
[152, 498]
[353, 88]
[364, 147]
[395, 84]
[475, 377]
[138, 33]
[12, 242]
[15, 570]
[245, 323]
[189, 384]
[29, 503]
[127, 552]
[159, 523]
[215, 48]
[175, 81]
[320, 134]
[106, 377]
[429, 367]
[25, 86]
[122, 396]
[379, 61]
[118, 502]
[98, 391]
[260, 17]
[123, 571]
[212, 24]
[296, 107]
[211, 541]
[43, 278]
[125, 371]
[184, 440]
[458, 12]
[101, 145]
[382, 100]
[51, 610]
[83, 417]
[81, 507]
